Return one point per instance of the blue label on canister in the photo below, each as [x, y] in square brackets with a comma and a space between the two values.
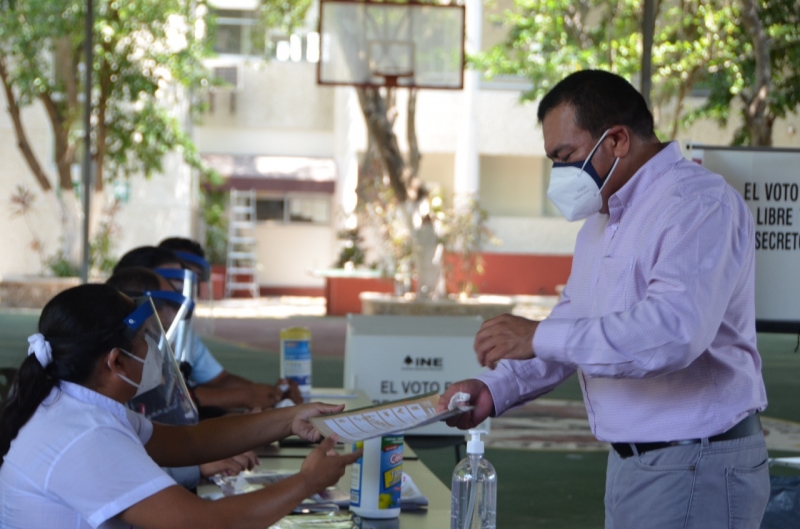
[297, 361]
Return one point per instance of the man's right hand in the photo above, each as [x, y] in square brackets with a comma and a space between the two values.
[323, 467]
[479, 396]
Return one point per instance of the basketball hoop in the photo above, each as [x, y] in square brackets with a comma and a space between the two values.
[391, 60]
[370, 43]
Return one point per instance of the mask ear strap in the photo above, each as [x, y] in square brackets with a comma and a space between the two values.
[123, 377]
[596, 145]
[610, 172]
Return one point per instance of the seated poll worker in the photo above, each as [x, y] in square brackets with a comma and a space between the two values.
[657, 318]
[193, 257]
[212, 385]
[75, 457]
[135, 282]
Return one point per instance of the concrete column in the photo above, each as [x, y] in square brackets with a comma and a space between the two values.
[467, 159]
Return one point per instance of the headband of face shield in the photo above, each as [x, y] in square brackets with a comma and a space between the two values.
[169, 401]
[151, 363]
[199, 265]
[182, 280]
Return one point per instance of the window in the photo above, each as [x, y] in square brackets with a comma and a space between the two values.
[294, 209]
[236, 33]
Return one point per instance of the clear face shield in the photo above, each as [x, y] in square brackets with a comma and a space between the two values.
[169, 402]
[185, 283]
[175, 312]
[203, 323]
[182, 280]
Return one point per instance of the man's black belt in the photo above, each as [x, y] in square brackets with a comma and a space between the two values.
[750, 425]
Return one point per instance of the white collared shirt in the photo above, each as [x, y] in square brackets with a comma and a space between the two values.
[77, 463]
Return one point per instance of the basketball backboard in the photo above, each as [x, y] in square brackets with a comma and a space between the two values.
[367, 43]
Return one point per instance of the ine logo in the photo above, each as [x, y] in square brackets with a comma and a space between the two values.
[423, 363]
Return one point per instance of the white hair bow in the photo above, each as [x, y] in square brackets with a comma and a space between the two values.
[41, 348]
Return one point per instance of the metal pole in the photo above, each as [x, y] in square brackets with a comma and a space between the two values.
[648, 29]
[87, 136]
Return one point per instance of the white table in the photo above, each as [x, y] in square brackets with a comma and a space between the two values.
[290, 457]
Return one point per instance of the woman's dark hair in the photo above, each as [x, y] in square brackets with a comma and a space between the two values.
[601, 100]
[81, 324]
[148, 257]
[135, 281]
[182, 244]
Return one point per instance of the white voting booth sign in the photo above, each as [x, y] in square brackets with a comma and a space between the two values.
[395, 357]
[769, 181]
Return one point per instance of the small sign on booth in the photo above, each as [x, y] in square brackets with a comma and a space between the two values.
[397, 357]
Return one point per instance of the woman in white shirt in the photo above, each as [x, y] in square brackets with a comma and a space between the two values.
[74, 456]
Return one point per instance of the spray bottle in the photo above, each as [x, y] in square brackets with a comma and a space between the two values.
[296, 357]
[474, 489]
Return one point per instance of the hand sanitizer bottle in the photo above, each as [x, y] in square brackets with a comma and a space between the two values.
[474, 489]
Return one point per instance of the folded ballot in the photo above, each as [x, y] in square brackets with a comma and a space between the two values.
[384, 419]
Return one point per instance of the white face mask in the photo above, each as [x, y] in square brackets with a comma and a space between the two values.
[575, 187]
[151, 371]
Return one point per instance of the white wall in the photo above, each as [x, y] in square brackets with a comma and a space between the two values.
[19, 258]
[288, 253]
[163, 206]
[279, 110]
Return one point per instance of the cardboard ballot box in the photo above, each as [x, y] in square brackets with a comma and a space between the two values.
[396, 357]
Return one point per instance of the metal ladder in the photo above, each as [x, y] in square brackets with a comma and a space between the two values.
[240, 273]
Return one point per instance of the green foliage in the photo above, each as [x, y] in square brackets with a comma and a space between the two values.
[352, 250]
[465, 233]
[102, 258]
[60, 266]
[215, 217]
[146, 53]
[695, 42]
[283, 15]
[735, 77]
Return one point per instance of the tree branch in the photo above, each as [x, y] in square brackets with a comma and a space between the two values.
[61, 140]
[759, 123]
[19, 131]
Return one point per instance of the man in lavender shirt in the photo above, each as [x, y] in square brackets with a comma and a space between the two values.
[657, 318]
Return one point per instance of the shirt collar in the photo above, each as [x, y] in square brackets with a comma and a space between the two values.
[89, 396]
[640, 183]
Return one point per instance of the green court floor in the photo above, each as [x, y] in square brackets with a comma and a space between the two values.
[543, 490]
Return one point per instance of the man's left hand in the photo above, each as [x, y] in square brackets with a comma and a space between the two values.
[302, 427]
[505, 336]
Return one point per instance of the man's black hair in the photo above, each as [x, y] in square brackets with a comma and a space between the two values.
[147, 257]
[600, 100]
[134, 281]
[182, 244]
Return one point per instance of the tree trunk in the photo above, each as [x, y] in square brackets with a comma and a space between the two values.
[411, 133]
[19, 131]
[756, 110]
[379, 127]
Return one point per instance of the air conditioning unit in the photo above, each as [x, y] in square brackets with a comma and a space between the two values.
[227, 78]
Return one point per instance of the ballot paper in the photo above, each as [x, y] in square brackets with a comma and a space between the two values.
[384, 419]
[330, 499]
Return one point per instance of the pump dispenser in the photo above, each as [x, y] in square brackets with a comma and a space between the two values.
[474, 489]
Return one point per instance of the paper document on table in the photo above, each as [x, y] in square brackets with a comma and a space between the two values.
[384, 419]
